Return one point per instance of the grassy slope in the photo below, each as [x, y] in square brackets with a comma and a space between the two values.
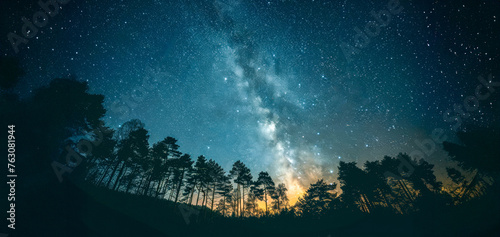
[110, 213]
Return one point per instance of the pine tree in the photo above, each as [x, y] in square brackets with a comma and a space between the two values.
[267, 184]
[242, 178]
[182, 165]
[317, 199]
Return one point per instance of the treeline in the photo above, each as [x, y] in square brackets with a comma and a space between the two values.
[124, 161]
[371, 190]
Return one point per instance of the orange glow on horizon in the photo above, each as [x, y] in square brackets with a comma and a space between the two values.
[295, 190]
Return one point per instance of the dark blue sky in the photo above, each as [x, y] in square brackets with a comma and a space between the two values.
[270, 82]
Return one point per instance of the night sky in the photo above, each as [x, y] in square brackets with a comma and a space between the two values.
[286, 86]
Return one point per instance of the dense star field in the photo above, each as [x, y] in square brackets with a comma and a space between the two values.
[287, 86]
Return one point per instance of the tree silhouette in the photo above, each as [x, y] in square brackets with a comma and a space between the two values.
[243, 179]
[131, 150]
[157, 169]
[423, 178]
[102, 155]
[165, 151]
[404, 195]
[280, 199]
[255, 194]
[479, 150]
[266, 183]
[182, 165]
[465, 190]
[354, 188]
[225, 188]
[151, 172]
[317, 199]
[63, 110]
[217, 176]
[49, 126]
[477, 154]
[197, 179]
[378, 188]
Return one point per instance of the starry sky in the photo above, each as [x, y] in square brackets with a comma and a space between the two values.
[287, 86]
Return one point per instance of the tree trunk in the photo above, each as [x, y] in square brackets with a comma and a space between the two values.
[224, 207]
[148, 185]
[239, 200]
[367, 203]
[164, 189]
[243, 199]
[198, 195]
[103, 176]
[179, 186]
[119, 176]
[158, 187]
[164, 186]
[143, 182]
[192, 194]
[265, 199]
[405, 190]
[469, 187]
[190, 198]
[204, 196]
[129, 185]
[213, 196]
[113, 173]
